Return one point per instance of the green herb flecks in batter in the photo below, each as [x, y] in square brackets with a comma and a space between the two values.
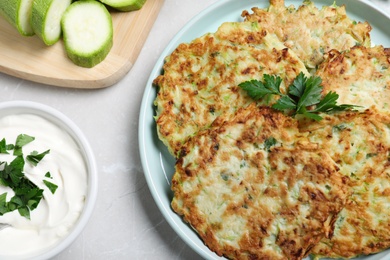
[269, 142]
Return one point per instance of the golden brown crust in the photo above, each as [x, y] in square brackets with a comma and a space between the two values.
[311, 32]
[359, 142]
[361, 76]
[248, 200]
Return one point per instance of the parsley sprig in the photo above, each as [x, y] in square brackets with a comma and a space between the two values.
[27, 194]
[304, 95]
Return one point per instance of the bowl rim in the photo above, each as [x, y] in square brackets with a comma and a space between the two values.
[64, 122]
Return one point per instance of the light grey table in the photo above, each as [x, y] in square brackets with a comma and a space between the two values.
[126, 223]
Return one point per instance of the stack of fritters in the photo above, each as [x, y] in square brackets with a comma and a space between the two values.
[257, 184]
[200, 80]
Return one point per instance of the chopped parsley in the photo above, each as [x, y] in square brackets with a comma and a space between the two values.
[303, 95]
[370, 155]
[27, 194]
[36, 157]
[339, 127]
[5, 147]
[21, 141]
[52, 187]
[224, 176]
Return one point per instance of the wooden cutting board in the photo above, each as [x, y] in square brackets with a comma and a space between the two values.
[29, 58]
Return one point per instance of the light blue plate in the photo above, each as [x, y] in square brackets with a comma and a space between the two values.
[157, 163]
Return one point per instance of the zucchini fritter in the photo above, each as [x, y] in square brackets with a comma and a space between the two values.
[359, 142]
[200, 79]
[361, 76]
[311, 32]
[253, 191]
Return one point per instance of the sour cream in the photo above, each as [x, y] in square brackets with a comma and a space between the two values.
[56, 213]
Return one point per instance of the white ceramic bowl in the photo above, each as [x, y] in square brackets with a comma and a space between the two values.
[59, 119]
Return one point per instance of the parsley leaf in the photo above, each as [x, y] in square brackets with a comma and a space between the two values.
[327, 103]
[273, 83]
[3, 146]
[311, 93]
[257, 89]
[298, 86]
[304, 95]
[24, 212]
[36, 157]
[15, 171]
[285, 103]
[52, 187]
[3, 204]
[22, 140]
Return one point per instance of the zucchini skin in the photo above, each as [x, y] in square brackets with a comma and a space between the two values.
[125, 5]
